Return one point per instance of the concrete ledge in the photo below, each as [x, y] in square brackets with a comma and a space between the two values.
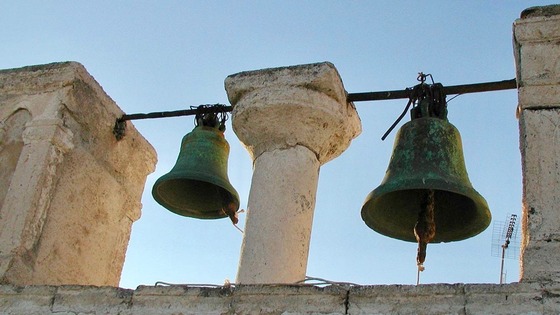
[517, 298]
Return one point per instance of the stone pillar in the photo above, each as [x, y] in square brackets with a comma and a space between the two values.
[537, 56]
[27, 200]
[291, 120]
[70, 191]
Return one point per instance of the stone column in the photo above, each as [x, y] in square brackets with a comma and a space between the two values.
[69, 190]
[537, 56]
[291, 120]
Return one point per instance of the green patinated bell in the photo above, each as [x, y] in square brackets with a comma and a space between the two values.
[198, 185]
[427, 155]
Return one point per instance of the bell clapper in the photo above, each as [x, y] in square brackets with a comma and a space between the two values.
[424, 230]
[420, 268]
[240, 230]
[230, 211]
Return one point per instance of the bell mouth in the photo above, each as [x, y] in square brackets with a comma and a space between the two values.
[193, 198]
[458, 214]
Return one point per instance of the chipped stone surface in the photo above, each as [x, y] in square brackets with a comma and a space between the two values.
[91, 300]
[540, 261]
[281, 107]
[279, 217]
[70, 190]
[537, 50]
[291, 120]
[537, 55]
[540, 148]
[322, 77]
[541, 11]
[518, 298]
[539, 96]
[515, 298]
[26, 300]
[407, 299]
[180, 300]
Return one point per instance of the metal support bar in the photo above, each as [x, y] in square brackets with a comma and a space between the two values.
[120, 124]
[217, 108]
[449, 90]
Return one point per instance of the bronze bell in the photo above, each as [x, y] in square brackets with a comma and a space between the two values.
[427, 158]
[198, 185]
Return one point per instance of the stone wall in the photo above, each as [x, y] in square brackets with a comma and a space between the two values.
[69, 190]
[520, 298]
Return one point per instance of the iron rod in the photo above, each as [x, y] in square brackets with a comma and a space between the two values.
[352, 97]
[449, 90]
[176, 113]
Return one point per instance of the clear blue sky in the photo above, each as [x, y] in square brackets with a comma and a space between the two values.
[169, 55]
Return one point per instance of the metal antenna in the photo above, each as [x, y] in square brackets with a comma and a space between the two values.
[505, 243]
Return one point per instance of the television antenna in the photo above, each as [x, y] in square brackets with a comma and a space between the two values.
[505, 241]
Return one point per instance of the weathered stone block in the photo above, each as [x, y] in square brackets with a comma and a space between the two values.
[263, 299]
[537, 55]
[538, 23]
[539, 96]
[322, 77]
[29, 300]
[180, 300]
[517, 298]
[70, 191]
[540, 261]
[252, 299]
[540, 148]
[540, 151]
[407, 299]
[91, 300]
[550, 298]
[541, 63]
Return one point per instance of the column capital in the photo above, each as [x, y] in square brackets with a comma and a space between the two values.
[50, 130]
[303, 105]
